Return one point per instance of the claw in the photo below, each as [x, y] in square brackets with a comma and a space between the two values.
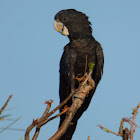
[81, 78]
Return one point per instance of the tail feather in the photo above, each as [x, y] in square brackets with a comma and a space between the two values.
[71, 129]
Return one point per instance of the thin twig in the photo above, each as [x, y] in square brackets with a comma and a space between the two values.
[48, 107]
[56, 116]
[128, 120]
[14, 129]
[42, 119]
[6, 103]
[133, 121]
[121, 127]
[38, 122]
[88, 137]
[46, 121]
[62, 103]
[7, 127]
[45, 114]
[107, 130]
[36, 134]
[28, 130]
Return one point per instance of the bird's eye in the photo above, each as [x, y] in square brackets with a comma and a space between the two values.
[65, 19]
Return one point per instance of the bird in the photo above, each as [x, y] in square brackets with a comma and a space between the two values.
[77, 27]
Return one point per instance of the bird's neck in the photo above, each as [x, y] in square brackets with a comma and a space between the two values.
[81, 43]
[84, 34]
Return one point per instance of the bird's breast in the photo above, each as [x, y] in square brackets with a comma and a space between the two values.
[84, 57]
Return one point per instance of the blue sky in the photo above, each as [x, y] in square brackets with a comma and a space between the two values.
[30, 51]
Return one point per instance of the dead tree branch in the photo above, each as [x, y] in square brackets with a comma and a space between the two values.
[88, 137]
[133, 121]
[38, 122]
[86, 85]
[6, 103]
[30, 128]
[125, 133]
[43, 120]
[82, 92]
[108, 131]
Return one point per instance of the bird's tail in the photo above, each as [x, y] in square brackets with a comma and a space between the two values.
[70, 131]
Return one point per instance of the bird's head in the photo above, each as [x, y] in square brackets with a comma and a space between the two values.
[73, 24]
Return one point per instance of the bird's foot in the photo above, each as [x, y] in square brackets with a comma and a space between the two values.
[80, 79]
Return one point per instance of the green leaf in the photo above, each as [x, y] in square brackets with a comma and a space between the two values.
[91, 66]
[107, 131]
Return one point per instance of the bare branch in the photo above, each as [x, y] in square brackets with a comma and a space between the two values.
[64, 111]
[6, 103]
[38, 122]
[83, 91]
[121, 127]
[7, 127]
[107, 130]
[88, 137]
[43, 120]
[59, 106]
[133, 121]
[34, 123]
[125, 133]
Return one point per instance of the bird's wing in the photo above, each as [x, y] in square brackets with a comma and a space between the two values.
[100, 62]
[67, 73]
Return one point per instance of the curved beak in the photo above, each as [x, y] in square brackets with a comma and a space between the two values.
[59, 27]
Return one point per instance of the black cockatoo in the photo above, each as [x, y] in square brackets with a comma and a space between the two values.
[76, 26]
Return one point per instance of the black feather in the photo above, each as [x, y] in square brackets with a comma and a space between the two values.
[73, 60]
